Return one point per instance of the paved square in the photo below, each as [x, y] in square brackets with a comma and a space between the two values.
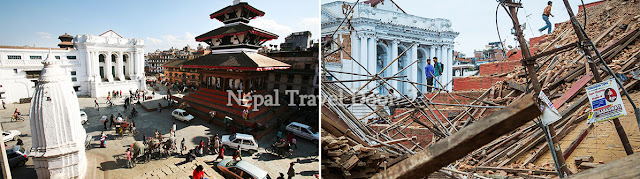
[109, 162]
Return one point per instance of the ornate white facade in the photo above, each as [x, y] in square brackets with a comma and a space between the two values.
[58, 136]
[87, 63]
[380, 34]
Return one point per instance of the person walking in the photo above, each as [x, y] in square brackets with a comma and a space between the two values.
[293, 143]
[159, 107]
[4, 105]
[94, 101]
[238, 154]
[428, 71]
[174, 126]
[182, 146]
[291, 171]
[129, 163]
[545, 16]
[437, 71]
[221, 153]
[198, 173]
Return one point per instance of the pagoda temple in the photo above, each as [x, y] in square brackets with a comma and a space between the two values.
[234, 65]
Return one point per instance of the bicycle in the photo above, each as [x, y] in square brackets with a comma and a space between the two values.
[14, 118]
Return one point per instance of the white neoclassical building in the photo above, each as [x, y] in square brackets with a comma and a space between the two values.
[96, 64]
[380, 32]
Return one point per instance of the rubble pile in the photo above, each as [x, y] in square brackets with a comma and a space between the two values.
[613, 27]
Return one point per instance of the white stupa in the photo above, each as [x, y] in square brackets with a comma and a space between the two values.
[57, 135]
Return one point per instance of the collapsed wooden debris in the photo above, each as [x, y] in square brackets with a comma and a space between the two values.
[562, 71]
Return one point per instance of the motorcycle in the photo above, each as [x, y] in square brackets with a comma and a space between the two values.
[283, 152]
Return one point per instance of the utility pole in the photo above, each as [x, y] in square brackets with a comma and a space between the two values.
[6, 171]
[583, 41]
[529, 63]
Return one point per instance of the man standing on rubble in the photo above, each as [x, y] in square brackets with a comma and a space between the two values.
[429, 71]
[437, 69]
[545, 16]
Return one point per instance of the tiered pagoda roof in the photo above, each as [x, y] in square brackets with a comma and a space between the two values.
[237, 12]
[234, 46]
[66, 41]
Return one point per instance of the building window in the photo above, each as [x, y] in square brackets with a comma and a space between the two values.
[74, 79]
[33, 74]
[15, 70]
[290, 80]
[76, 88]
[14, 57]
[58, 57]
[35, 57]
[71, 57]
[307, 66]
[73, 73]
[277, 77]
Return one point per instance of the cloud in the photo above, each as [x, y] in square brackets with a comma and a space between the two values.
[171, 40]
[274, 27]
[44, 35]
[154, 40]
[311, 24]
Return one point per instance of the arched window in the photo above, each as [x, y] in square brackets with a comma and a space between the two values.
[193, 77]
[113, 57]
[124, 58]
[101, 58]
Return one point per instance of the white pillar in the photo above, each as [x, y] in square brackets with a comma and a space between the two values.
[448, 69]
[394, 66]
[413, 71]
[119, 68]
[88, 65]
[107, 70]
[131, 67]
[355, 53]
[96, 66]
[373, 60]
[364, 58]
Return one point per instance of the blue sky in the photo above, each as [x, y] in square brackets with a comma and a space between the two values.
[160, 23]
[476, 19]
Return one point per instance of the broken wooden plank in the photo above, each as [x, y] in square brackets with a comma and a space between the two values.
[573, 91]
[626, 167]
[515, 170]
[580, 159]
[516, 86]
[351, 163]
[595, 42]
[466, 140]
[391, 142]
[588, 165]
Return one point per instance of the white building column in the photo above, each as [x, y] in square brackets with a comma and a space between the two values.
[96, 66]
[448, 69]
[107, 70]
[355, 53]
[364, 58]
[131, 67]
[88, 65]
[373, 60]
[413, 72]
[394, 66]
[119, 68]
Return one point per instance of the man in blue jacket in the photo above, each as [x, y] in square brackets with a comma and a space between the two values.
[429, 71]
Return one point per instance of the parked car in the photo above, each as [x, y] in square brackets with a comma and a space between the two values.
[17, 156]
[181, 115]
[303, 131]
[83, 117]
[245, 141]
[241, 170]
[11, 135]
